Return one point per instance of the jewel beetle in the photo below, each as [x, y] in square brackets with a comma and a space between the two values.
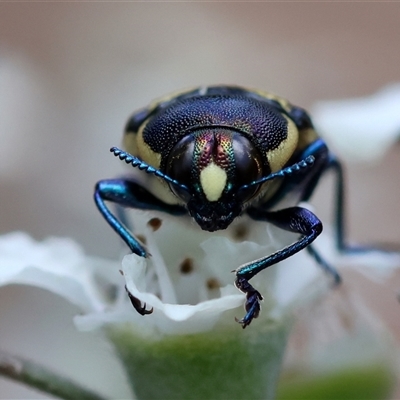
[215, 153]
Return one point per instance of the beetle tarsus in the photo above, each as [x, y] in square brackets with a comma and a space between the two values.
[253, 299]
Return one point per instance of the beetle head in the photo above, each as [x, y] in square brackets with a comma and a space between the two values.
[214, 163]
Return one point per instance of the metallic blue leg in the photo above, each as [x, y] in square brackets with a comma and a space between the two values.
[329, 162]
[337, 280]
[340, 217]
[117, 191]
[129, 194]
[339, 211]
[294, 219]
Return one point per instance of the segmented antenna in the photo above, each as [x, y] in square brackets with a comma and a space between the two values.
[136, 162]
[292, 169]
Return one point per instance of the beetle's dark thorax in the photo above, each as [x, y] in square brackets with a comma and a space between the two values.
[259, 121]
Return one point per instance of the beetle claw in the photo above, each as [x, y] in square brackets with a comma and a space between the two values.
[137, 304]
[252, 304]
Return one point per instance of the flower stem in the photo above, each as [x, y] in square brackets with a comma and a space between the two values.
[39, 377]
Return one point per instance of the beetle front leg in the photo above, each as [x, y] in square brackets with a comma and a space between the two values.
[127, 193]
[294, 219]
[122, 193]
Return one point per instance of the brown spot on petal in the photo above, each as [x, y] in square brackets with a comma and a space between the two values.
[186, 266]
[155, 224]
[240, 232]
[141, 239]
[121, 272]
[213, 283]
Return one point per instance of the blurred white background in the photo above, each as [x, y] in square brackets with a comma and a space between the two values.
[72, 73]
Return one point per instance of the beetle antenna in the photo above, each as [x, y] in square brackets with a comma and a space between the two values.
[136, 162]
[292, 169]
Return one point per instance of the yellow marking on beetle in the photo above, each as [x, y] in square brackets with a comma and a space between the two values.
[134, 144]
[272, 96]
[130, 143]
[170, 96]
[278, 157]
[213, 180]
[145, 152]
[306, 137]
[154, 184]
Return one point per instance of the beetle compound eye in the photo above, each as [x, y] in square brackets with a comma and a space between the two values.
[248, 165]
[179, 165]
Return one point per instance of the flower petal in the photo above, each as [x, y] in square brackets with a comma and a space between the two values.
[361, 129]
[177, 318]
[57, 265]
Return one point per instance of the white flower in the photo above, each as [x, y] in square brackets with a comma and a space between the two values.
[187, 280]
[192, 328]
[190, 344]
[189, 284]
